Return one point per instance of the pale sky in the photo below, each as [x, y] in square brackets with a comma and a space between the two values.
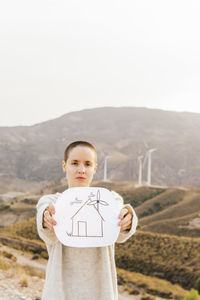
[58, 56]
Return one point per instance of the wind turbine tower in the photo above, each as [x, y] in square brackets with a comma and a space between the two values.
[105, 168]
[149, 165]
[140, 170]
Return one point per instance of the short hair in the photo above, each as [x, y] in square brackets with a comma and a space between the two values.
[78, 143]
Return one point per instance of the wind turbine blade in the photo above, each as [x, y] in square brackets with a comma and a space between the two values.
[145, 159]
[92, 202]
[103, 203]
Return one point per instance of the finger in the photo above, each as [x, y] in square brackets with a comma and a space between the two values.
[51, 209]
[49, 222]
[123, 212]
[50, 227]
[123, 228]
[126, 219]
[45, 217]
[50, 219]
[53, 222]
[126, 226]
[129, 209]
[46, 213]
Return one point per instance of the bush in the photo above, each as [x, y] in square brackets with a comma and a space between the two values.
[4, 207]
[192, 295]
[44, 254]
[147, 297]
[197, 286]
[30, 201]
[4, 265]
[36, 256]
[24, 282]
[9, 256]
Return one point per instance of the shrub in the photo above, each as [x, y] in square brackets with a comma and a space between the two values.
[4, 207]
[44, 254]
[24, 282]
[192, 295]
[4, 265]
[31, 249]
[147, 297]
[36, 256]
[9, 255]
[198, 285]
[30, 201]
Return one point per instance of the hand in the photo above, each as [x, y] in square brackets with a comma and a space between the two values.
[125, 217]
[48, 220]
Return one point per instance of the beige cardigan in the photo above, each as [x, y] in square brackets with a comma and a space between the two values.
[79, 273]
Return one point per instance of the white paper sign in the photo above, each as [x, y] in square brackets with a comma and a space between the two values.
[87, 217]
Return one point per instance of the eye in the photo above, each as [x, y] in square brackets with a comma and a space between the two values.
[74, 163]
[88, 164]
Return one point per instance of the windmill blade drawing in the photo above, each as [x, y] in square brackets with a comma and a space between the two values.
[98, 201]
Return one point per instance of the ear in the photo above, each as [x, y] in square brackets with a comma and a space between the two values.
[95, 168]
[64, 166]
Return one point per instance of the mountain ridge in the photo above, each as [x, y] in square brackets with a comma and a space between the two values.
[35, 152]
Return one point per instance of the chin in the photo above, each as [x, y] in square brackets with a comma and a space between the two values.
[80, 184]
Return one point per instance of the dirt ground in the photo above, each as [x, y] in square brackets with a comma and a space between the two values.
[15, 284]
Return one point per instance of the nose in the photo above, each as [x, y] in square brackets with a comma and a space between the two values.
[81, 169]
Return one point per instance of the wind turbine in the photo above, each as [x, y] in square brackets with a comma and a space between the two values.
[98, 201]
[105, 168]
[140, 170]
[149, 165]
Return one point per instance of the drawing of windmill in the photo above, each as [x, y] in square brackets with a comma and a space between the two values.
[87, 221]
[98, 201]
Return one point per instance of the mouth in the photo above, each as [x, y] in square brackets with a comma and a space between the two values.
[80, 178]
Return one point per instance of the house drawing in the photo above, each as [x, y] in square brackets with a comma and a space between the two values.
[87, 221]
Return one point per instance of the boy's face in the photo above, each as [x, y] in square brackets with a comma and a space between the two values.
[80, 166]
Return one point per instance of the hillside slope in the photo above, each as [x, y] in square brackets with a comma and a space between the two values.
[154, 250]
[123, 133]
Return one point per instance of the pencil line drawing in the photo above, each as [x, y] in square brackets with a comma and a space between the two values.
[76, 201]
[83, 225]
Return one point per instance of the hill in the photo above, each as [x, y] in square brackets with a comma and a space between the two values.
[176, 259]
[173, 210]
[35, 152]
[166, 244]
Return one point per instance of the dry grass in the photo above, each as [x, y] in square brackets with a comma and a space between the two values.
[4, 265]
[176, 226]
[151, 285]
[176, 259]
[8, 255]
[160, 202]
[8, 263]
[188, 205]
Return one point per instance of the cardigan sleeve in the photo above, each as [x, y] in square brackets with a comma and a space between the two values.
[45, 234]
[125, 235]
